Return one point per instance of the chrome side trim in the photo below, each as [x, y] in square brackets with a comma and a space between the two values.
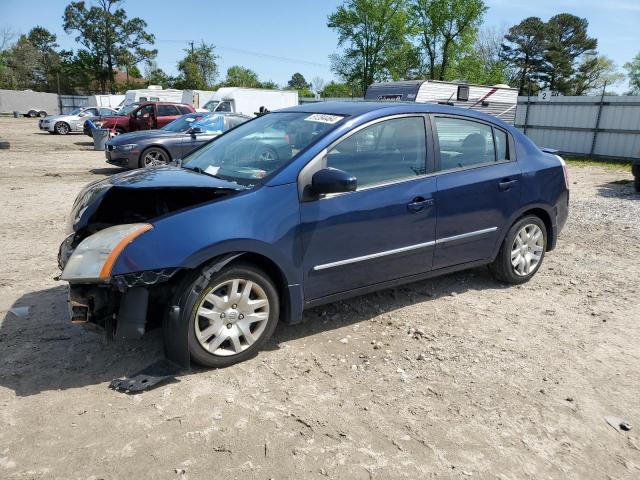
[466, 235]
[403, 249]
[373, 255]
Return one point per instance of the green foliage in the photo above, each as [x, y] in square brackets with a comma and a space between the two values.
[198, 69]
[238, 76]
[154, 75]
[370, 32]
[298, 82]
[337, 90]
[523, 49]
[445, 29]
[633, 73]
[108, 36]
[270, 84]
[594, 72]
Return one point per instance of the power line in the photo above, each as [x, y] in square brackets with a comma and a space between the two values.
[254, 53]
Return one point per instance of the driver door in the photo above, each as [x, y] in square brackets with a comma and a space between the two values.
[385, 229]
[142, 118]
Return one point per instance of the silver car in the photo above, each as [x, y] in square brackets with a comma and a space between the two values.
[74, 121]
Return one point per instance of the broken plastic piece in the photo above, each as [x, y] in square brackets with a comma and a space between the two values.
[156, 373]
[618, 423]
[20, 311]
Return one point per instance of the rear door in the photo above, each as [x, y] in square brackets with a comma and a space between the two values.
[166, 114]
[478, 188]
[385, 229]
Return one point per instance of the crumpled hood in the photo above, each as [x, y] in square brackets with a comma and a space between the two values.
[147, 180]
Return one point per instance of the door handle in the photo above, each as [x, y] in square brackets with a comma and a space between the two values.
[420, 203]
[506, 184]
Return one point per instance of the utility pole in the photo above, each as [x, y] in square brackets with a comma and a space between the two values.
[191, 43]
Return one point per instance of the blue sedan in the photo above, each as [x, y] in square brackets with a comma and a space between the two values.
[358, 197]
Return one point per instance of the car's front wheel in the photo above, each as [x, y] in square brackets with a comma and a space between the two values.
[522, 251]
[62, 128]
[232, 316]
[153, 157]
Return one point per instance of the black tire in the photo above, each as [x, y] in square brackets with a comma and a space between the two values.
[32, 114]
[636, 183]
[62, 128]
[4, 144]
[502, 268]
[42, 114]
[142, 162]
[51, 132]
[635, 170]
[194, 289]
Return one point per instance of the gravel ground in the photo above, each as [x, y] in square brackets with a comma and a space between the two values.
[455, 377]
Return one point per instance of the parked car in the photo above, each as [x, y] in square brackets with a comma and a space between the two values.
[177, 139]
[222, 247]
[72, 122]
[143, 116]
[250, 101]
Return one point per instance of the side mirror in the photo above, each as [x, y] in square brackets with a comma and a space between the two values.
[332, 180]
[196, 131]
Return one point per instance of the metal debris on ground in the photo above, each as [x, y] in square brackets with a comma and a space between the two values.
[619, 424]
[156, 373]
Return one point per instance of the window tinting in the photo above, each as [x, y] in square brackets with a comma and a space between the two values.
[167, 111]
[502, 145]
[386, 151]
[463, 143]
[183, 109]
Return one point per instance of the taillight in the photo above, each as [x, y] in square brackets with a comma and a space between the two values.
[564, 171]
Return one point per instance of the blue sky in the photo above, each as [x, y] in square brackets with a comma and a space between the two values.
[279, 37]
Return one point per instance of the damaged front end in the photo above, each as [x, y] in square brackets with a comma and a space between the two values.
[109, 215]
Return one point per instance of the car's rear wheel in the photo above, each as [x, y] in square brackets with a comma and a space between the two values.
[32, 113]
[62, 128]
[153, 157]
[522, 251]
[42, 114]
[232, 316]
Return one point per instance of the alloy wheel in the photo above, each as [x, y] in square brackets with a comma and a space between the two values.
[231, 317]
[154, 157]
[62, 128]
[527, 249]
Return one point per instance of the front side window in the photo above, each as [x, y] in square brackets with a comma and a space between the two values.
[106, 111]
[384, 152]
[145, 112]
[464, 143]
[252, 151]
[223, 107]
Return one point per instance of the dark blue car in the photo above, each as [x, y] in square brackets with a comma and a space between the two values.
[360, 196]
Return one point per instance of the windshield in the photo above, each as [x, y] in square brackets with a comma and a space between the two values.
[126, 110]
[254, 150]
[211, 105]
[183, 123]
[76, 111]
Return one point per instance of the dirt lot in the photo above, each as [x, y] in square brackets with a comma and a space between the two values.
[498, 382]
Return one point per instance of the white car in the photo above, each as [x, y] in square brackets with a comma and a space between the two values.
[74, 121]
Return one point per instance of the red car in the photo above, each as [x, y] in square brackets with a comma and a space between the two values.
[144, 116]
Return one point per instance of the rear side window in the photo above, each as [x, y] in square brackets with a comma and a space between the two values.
[464, 143]
[502, 145]
[384, 152]
[167, 111]
[183, 109]
[106, 111]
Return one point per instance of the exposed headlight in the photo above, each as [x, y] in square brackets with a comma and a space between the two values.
[93, 259]
[125, 148]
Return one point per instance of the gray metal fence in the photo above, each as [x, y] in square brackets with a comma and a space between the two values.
[68, 103]
[605, 126]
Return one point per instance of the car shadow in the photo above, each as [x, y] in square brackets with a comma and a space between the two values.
[84, 144]
[43, 351]
[619, 189]
[106, 170]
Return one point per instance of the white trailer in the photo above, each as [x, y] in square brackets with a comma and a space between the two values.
[153, 93]
[197, 98]
[497, 100]
[251, 101]
[111, 101]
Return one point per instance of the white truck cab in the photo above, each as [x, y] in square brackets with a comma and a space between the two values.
[250, 101]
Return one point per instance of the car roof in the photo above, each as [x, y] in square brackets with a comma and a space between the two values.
[389, 108]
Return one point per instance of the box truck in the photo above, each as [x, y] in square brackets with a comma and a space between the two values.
[250, 101]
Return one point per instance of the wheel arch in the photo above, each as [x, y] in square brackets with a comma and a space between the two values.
[543, 212]
[63, 122]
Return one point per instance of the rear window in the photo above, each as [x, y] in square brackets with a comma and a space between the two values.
[184, 109]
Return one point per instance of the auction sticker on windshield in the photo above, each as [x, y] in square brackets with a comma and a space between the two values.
[323, 118]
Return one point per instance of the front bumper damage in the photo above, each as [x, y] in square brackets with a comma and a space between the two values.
[124, 307]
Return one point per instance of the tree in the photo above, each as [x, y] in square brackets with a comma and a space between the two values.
[523, 50]
[594, 72]
[445, 28]
[633, 72]
[238, 76]
[270, 84]
[337, 90]
[298, 82]
[198, 69]
[154, 75]
[106, 33]
[317, 84]
[369, 32]
[566, 41]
